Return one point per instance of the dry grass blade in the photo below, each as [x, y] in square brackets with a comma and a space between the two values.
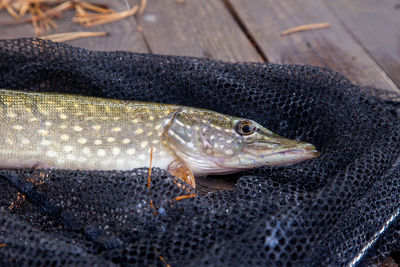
[34, 21]
[113, 17]
[24, 8]
[46, 23]
[306, 28]
[12, 12]
[95, 8]
[88, 17]
[52, 23]
[79, 10]
[63, 37]
[143, 5]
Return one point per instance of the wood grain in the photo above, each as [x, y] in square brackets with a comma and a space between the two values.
[195, 28]
[123, 34]
[376, 25]
[334, 47]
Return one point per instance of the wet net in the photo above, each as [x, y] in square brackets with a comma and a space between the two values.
[341, 208]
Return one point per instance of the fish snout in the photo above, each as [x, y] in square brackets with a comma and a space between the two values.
[303, 151]
[281, 152]
[292, 152]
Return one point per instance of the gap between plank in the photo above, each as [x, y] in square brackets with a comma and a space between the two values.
[243, 27]
[137, 24]
[146, 42]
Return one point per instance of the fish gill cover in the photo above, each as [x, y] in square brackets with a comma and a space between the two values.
[341, 208]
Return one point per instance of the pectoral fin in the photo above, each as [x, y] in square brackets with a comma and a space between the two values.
[178, 168]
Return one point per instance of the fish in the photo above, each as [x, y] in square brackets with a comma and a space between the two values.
[42, 130]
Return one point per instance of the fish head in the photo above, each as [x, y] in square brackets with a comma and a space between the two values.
[213, 143]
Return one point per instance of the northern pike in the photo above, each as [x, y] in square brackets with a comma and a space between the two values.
[62, 131]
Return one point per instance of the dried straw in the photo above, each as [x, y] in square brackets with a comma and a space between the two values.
[68, 36]
[306, 28]
[43, 12]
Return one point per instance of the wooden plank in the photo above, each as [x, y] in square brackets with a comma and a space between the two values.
[123, 34]
[195, 28]
[334, 48]
[376, 24]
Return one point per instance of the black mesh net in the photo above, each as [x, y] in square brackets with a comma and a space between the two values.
[341, 208]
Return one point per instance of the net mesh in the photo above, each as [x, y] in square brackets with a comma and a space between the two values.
[341, 208]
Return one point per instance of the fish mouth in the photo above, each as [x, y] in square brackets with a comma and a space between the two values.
[254, 158]
[292, 156]
[285, 156]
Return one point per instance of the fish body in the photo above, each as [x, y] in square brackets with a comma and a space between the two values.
[51, 130]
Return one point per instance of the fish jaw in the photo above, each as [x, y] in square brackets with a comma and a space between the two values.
[291, 155]
[251, 157]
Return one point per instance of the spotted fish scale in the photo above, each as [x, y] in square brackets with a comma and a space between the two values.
[50, 130]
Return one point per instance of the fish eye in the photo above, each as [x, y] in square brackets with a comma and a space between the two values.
[245, 127]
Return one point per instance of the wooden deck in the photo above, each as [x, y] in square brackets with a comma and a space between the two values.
[362, 43]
